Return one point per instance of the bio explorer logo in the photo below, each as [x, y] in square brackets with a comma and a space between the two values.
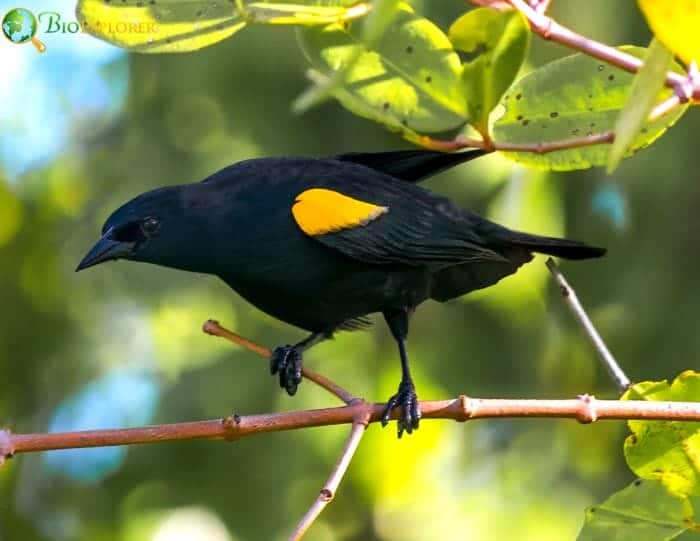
[20, 26]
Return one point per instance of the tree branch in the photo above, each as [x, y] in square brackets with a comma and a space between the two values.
[327, 493]
[215, 329]
[584, 409]
[616, 373]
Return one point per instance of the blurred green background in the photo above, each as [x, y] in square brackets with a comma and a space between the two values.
[86, 127]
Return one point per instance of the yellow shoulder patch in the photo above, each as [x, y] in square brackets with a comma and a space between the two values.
[318, 211]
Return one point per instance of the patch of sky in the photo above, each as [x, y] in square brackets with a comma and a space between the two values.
[43, 95]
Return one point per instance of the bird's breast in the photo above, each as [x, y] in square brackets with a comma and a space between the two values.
[308, 285]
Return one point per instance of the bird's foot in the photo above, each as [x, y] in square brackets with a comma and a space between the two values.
[407, 400]
[286, 361]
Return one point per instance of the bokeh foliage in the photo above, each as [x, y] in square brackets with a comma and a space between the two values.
[88, 343]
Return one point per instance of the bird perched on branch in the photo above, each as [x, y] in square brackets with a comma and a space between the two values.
[322, 243]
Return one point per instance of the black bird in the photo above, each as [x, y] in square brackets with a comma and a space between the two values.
[321, 243]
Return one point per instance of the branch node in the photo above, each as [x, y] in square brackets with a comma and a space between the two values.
[232, 427]
[364, 411]
[547, 31]
[7, 449]
[466, 408]
[588, 412]
[210, 326]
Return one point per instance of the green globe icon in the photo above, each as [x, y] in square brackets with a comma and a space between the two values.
[19, 26]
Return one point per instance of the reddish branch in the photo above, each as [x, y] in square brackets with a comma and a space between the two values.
[212, 327]
[584, 409]
[327, 493]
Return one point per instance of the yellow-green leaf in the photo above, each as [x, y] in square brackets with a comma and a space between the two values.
[675, 23]
[374, 25]
[504, 38]
[667, 451]
[301, 14]
[644, 511]
[158, 26]
[408, 79]
[571, 98]
[646, 86]
[175, 26]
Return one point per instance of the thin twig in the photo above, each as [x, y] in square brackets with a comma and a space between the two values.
[457, 143]
[552, 146]
[327, 493]
[460, 142]
[611, 365]
[213, 328]
[584, 409]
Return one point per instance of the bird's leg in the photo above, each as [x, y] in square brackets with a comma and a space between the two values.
[286, 361]
[406, 397]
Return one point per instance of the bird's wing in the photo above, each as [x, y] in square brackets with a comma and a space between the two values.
[410, 165]
[412, 231]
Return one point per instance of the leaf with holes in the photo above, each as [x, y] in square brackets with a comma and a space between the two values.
[666, 451]
[504, 38]
[644, 511]
[408, 80]
[174, 26]
[676, 25]
[571, 98]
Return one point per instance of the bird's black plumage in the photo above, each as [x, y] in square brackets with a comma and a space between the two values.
[321, 243]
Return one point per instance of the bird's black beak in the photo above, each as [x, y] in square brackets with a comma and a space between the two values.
[105, 249]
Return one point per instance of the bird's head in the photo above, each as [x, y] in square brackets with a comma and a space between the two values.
[147, 229]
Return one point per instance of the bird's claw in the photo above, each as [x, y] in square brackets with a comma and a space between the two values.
[407, 400]
[286, 361]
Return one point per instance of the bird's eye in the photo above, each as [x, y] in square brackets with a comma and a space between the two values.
[149, 226]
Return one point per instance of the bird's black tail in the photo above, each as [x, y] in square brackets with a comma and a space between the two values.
[410, 165]
[568, 249]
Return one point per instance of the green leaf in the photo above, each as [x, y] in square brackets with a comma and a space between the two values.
[667, 451]
[407, 80]
[374, 24]
[571, 98]
[161, 26]
[504, 38]
[176, 26]
[644, 511]
[646, 85]
[676, 25]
